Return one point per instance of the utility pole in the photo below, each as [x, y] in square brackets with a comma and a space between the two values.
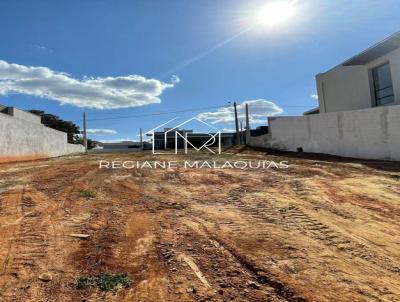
[241, 132]
[141, 138]
[247, 125]
[84, 132]
[236, 124]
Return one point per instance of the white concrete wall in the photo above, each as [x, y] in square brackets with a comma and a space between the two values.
[20, 138]
[344, 88]
[349, 87]
[370, 133]
[258, 141]
[23, 115]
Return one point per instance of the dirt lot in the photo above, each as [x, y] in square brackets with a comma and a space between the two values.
[323, 230]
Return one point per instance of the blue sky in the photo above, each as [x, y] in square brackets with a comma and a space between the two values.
[100, 56]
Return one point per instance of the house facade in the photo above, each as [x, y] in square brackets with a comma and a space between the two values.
[367, 80]
[196, 139]
[123, 146]
[358, 114]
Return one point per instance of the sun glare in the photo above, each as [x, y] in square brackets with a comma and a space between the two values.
[275, 13]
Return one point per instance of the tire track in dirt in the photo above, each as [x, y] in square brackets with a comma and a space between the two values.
[11, 216]
[29, 244]
[210, 272]
[282, 290]
[254, 225]
[301, 221]
[293, 217]
[186, 236]
[36, 232]
[114, 245]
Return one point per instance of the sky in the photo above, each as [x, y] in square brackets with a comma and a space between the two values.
[139, 63]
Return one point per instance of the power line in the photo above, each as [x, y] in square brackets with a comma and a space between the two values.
[179, 111]
[152, 114]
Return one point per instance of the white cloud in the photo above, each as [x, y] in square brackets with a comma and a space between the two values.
[175, 79]
[228, 130]
[259, 110]
[314, 96]
[100, 93]
[42, 48]
[101, 131]
[118, 140]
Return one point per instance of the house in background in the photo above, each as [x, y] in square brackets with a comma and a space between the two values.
[197, 139]
[123, 146]
[367, 80]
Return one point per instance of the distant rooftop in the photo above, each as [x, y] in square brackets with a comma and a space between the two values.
[311, 111]
[122, 143]
[190, 132]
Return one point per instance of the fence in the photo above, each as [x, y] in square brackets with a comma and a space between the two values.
[22, 136]
[372, 133]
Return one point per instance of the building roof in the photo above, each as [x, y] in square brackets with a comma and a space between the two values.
[378, 50]
[123, 143]
[189, 132]
[311, 111]
[169, 133]
[223, 134]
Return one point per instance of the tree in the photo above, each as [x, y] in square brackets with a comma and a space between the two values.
[54, 122]
[90, 143]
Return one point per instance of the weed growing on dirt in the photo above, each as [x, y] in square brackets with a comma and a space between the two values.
[5, 264]
[106, 282]
[87, 193]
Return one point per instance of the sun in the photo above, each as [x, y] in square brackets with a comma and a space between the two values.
[275, 13]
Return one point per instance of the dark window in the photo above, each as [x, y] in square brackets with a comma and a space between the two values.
[383, 87]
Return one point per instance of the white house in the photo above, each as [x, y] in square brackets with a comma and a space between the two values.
[122, 146]
[369, 79]
[358, 114]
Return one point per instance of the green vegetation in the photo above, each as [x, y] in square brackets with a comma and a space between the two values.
[72, 130]
[87, 193]
[106, 282]
[90, 143]
[54, 122]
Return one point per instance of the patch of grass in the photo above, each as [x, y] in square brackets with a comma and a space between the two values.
[105, 282]
[83, 282]
[87, 193]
